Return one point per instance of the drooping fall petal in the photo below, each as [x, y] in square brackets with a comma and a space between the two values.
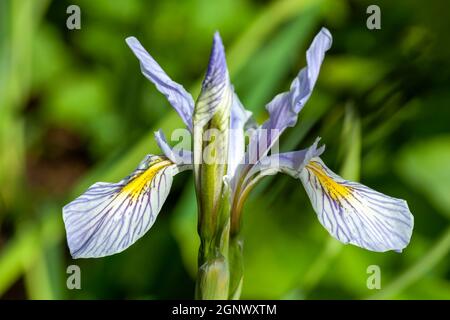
[109, 217]
[356, 214]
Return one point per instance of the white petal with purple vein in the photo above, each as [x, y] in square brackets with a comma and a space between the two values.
[285, 107]
[176, 155]
[109, 217]
[178, 97]
[356, 214]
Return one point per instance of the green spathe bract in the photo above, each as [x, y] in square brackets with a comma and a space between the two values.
[211, 122]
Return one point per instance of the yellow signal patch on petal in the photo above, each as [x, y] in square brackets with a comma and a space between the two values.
[137, 184]
[334, 189]
[354, 213]
[109, 217]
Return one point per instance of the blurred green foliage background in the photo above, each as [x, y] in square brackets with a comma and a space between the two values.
[75, 109]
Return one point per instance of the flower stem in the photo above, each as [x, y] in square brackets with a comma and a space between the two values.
[236, 266]
[213, 274]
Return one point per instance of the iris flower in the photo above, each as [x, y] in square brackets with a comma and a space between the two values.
[110, 217]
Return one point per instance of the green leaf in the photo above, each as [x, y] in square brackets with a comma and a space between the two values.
[425, 167]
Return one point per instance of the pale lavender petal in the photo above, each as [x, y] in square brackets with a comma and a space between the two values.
[109, 217]
[239, 119]
[176, 155]
[356, 214]
[217, 93]
[284, 108]
[217, 72]
[178, 97]
[212, 112]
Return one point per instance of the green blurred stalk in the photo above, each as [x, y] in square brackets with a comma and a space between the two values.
[15, 42]
[439, 250]
[256, 35]
[19, 20]
[23, 254]
[37, 278]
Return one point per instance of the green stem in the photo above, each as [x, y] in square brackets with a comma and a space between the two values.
[236, 266]
[213, 266]
[213, 274]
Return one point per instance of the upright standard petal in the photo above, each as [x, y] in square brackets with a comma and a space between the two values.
[109, 217]
[284, 108]
[178, 97]
[176, 155]
[356, 214]
[240, 118]
[214, 102]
